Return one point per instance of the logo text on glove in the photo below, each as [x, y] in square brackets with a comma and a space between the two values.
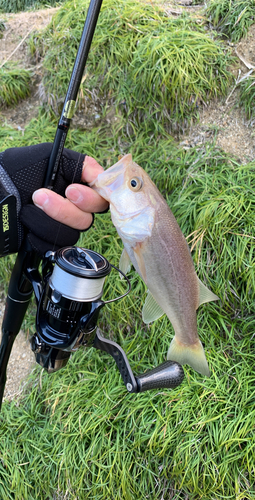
[5, 218]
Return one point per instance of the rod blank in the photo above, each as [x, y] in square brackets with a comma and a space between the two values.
[72, 91]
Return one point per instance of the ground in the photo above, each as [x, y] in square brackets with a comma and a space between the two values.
[234, 133]
[21, 362]
[221, 120]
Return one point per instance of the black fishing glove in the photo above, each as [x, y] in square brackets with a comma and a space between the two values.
[22, 171]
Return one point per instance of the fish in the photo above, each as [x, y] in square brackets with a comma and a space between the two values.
[155, 245]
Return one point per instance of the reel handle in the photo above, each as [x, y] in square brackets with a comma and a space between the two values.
[168, 375]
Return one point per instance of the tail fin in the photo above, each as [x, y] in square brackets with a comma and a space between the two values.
[193, 355]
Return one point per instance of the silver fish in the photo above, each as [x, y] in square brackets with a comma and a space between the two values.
[158, 250]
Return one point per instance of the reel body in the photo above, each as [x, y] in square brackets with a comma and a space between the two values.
[69, 304]
[69, 301]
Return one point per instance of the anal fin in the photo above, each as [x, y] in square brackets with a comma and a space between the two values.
[205, 295]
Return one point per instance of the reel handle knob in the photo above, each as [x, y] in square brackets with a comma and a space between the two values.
[169, 375]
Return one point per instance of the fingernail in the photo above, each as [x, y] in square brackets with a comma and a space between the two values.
[40, 198]
[73, 194]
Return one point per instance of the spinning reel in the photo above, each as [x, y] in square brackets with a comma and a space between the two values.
[69, 301]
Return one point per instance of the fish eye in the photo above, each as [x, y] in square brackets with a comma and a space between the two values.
[135, 183]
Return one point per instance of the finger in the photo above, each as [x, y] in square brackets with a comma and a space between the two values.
[61, 209]
[91, 169]
[86, 198]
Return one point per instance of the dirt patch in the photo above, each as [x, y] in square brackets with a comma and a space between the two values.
[13, 45]
[227, 126]
[20, 115]
[246, 48]
[19, 26]
[223, 120]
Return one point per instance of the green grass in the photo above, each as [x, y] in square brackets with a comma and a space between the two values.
[9, 6]
[152, 67]
[14, 84]
[247, 96]
[78, 432]
[232, 17]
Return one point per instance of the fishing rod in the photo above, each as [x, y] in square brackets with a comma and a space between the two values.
[69, 288]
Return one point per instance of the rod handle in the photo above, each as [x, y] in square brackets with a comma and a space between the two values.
[168, 375]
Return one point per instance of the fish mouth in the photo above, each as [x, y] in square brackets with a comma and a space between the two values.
[111, 179]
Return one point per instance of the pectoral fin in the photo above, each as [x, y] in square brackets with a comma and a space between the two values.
[205, 295]
[192, 355]
[140, 260]
[125, 263]
[151, 309]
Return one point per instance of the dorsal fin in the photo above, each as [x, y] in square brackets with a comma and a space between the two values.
[126, 159]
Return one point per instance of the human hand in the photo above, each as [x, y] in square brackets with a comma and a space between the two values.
[22, 171]
[80, 203]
